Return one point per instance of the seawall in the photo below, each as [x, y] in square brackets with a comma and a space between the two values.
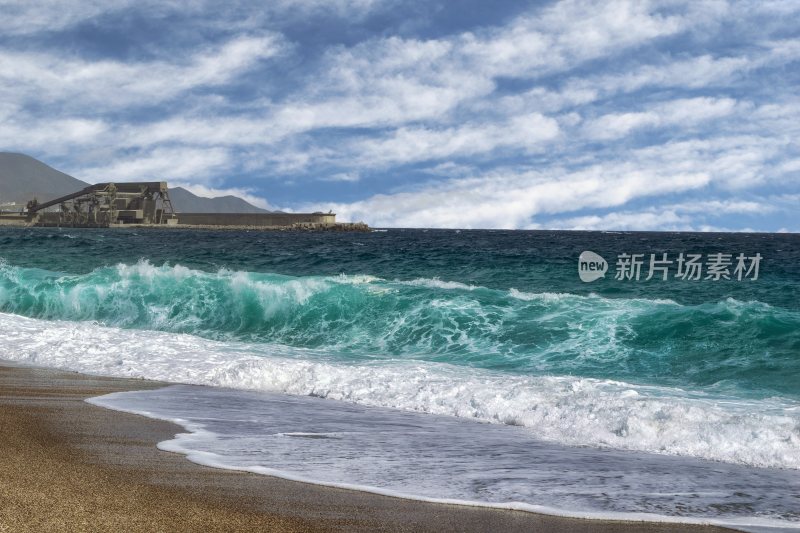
[256, 219]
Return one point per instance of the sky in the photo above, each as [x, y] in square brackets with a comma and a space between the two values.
[614, 115]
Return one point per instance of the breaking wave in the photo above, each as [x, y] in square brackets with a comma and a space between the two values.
[563, 409]
[746, 347]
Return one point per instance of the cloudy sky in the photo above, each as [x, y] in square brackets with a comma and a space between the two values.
[657, 115]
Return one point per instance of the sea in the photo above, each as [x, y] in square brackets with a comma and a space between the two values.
[465, 366]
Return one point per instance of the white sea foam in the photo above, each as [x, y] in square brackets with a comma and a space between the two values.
[543, 296]
[446, 459]
[568, 410]
[436, 283]
[549, 297]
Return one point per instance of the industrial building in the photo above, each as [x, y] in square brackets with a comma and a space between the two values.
[106, 205]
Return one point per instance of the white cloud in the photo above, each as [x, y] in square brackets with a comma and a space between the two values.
[566, 34]
[393, 81]
[187, 165]
[651, 220]
[681, 112]
[406, 145]
[701, 71]
[509, 200]
[450, 169]
[686, 216]
[513, 199]
[24, 133]
[347, 177]
[201, 130]
[79, 84]
[735, 162]
[539, 99]
[719, 207]
[22, 17]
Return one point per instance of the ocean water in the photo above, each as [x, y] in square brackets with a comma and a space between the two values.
[460, 365]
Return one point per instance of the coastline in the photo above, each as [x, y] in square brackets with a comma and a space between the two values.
[338, 227]
[71, 466]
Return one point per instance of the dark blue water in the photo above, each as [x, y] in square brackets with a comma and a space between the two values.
[531, 261]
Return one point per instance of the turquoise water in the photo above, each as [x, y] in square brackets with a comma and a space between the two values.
[505, 301]
[672, 377]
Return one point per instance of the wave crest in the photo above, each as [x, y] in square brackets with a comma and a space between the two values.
[728, 344]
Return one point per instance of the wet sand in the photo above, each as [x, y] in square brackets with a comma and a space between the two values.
[67, 465]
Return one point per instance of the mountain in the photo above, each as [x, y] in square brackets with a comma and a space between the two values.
[22, 178]
[185, 202]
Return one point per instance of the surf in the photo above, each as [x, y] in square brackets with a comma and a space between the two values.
[729, 345]
[565, 409]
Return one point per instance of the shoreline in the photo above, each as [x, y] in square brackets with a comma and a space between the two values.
[71, 465]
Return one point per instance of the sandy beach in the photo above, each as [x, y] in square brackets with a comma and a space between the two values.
[71, 466]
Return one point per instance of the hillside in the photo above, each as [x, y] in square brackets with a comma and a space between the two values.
[23, 178]
[186, 202]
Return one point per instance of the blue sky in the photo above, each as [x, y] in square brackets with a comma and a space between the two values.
[577, 115]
